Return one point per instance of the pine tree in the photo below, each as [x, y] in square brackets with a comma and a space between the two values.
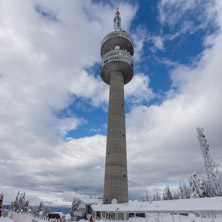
[35, 211]
[40, 208]
[167, 195]
[156, 196]
[17, 197]
[176, 195]
[14, 205]
[47, 211]
[196, 189]
[182, 193]
[20, 204]
[186, 190]
[26, 207]
[205, 187]
[147, 196]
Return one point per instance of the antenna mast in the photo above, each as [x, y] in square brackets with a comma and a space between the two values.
[117, 20]
[213, 175]
[204, 149]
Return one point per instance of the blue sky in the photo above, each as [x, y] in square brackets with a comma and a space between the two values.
[53, 110]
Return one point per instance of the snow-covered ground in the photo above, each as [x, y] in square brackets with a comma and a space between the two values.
[18, 217]
[6, 220]
[151, 218]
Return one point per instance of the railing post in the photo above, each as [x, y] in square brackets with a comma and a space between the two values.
[158, 217]
[162, 217]
[201, 218]
[146, 217]
[173, 217]
[212, 216]
[178, 213]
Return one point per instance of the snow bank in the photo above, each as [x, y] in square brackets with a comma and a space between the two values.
[6, 220]
[198, 204]
[17, 217]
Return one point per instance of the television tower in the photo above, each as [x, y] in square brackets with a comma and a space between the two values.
[116, 71]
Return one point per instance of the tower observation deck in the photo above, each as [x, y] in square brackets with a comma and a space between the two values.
[116, 70]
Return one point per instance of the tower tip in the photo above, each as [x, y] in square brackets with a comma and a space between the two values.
[117, 20]
[117, 11]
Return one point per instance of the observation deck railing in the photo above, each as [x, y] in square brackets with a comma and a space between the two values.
[117, 55]
[117, 34]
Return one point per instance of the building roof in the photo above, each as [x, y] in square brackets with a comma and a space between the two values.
[198, 204]
[90, 200]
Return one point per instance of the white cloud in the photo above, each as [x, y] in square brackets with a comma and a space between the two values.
[183, 17]
[158, 42]
[171, 11]
[67, 167]
[90, 88]
[139, 38]
[138, 89]
[66, 124]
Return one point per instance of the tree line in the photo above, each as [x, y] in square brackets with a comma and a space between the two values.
[195, 188]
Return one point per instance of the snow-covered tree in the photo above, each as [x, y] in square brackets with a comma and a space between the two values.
[167, 195]
[20, 204]
[46, 211]
[184, 192]
[147, 196]
[34, 211]
[156, 196]
[14, 205]
[176, 195]
[215, 180]
[41, 207]
[197, 189]
[74, 206]
[205, 187]
[26, 206]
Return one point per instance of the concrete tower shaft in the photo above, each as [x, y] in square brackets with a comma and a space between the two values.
[116, 185]
[116, 70]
